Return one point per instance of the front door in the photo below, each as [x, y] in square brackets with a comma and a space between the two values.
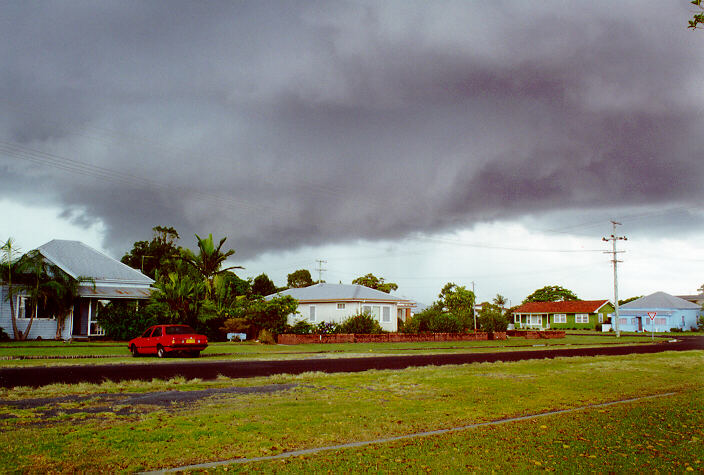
[640, 324]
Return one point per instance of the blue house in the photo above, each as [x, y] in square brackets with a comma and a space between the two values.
[109, 280]
[659, 312]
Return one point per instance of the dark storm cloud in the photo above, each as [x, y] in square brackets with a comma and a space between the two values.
[289, 124]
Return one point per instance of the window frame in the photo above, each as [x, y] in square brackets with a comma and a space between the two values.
[579, 317]
[559, 318]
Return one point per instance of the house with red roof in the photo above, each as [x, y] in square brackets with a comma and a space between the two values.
[569, 314]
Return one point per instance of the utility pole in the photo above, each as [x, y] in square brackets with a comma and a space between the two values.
[613, 238]
[474, 313]
[320, 269]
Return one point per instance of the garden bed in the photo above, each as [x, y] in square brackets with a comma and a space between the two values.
[536, 334]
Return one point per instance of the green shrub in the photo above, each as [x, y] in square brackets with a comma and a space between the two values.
[675, 330]
[598, 327]
[700, 323]
[444, 323]
[266, 337]
[420, 322]
[125, 320]
[362, 323]
[4, 336]
[492, 318]
[301, 327]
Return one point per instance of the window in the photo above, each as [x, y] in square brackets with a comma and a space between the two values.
[386, 315]
[581, 318]
[660, 321]
[516, 318]
[559, 318]
[373, 310]
[536, 320]
[623, 321]
[157, 332]
[601, 318]
[340, 306]
[311, 313]
[24, 309]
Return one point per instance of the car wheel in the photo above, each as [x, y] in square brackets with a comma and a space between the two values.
[161, 352]
[134, 351]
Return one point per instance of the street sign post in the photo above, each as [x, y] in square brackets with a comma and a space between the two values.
[652, 325]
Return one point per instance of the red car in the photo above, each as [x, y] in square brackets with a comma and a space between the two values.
[162, 340]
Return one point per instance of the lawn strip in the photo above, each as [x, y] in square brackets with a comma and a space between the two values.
[46, 353]
[397, 438]
[655, 435]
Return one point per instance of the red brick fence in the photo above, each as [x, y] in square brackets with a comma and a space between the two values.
[292, 339]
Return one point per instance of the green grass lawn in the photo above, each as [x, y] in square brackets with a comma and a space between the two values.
[55, 353]
[326, 409]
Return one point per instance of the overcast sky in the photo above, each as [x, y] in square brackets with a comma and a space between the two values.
[488, 142]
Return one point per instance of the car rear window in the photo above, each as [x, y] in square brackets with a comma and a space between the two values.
[181, 330]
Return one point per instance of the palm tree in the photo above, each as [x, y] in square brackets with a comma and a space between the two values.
[30, 272]
[8, 260]
[181, 294]
[500, 300]
[208, 263]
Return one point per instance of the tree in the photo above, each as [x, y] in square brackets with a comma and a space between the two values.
[158, 255]
[262, 286]
[209, 260]
[492, 318]
[270, 315]
[629, 299]
[459, 302]
[500, 300]
[8, 260]
[374, 282]
[698, 18]
[31, 273]
[299, 279]
[551, 293]
[182, 297]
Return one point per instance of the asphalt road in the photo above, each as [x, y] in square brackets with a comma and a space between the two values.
[40, 376]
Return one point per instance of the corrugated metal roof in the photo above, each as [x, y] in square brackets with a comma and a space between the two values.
[108, 292]
[568, 306]
[337, 292]
[659, 300]
[80, 260]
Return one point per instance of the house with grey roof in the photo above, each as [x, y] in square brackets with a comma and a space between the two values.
[337, 302]
[106, 279]
[658, 312]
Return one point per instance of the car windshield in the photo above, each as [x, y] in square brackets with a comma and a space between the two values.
[180, 330]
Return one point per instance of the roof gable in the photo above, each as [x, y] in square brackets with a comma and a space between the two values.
[567, 306]
[79, 260]
[660, 300]
[334, 292]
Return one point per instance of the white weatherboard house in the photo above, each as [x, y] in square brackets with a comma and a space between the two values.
[337, 302]
[110, 280]
[667, 311]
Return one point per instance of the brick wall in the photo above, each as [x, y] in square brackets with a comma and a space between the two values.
[291, 339]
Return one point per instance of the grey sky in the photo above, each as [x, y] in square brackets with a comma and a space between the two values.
[290, 124]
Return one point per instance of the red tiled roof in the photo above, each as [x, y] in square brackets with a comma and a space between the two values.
[568, 306]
